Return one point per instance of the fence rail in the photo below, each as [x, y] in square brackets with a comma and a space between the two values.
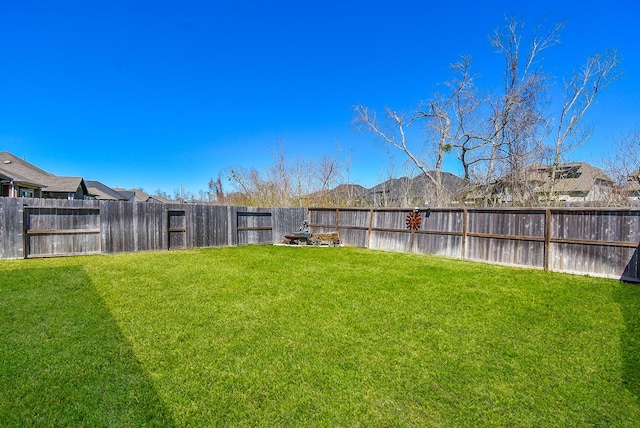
[599, 242]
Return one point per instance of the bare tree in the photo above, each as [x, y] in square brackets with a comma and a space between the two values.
[242, 180]
[580, 93]
[498, 135]
[517, 124]
[159, 192]
[469, 136]
[286, 182]
[437, 113]
[216, 192]
[622, 162]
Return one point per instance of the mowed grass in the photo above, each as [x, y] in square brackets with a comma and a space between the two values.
[280, 336]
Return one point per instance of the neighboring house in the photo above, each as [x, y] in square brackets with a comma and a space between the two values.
[140, 196]
[576, 183]
[160, 199]
[20, 178]
[102, 192]
[631, 188]
[65, 188]
[14, 185]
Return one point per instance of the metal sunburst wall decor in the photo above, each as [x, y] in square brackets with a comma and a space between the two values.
[413, 221]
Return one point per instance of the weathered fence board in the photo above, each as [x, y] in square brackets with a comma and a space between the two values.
[605, 260]
[601, 242]
[389, 240]
[506, 251]
[507, 222]
[442, 220]
[355, 237]
[611, 226]
[117, 228]
[388, 230]
[596, 241]
[508, 236]
[54, 231]
[254, 227]
[324, 220]
[11, 238]
[149, 225]
[442, 245]
[177, 228]
[202, 233]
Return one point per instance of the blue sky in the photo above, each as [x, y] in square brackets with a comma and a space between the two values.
[160, 94]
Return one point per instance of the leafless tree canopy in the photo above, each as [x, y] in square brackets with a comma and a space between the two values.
[496, 136]
[286, 182]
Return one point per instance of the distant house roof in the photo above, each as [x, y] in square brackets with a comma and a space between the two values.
[64, 184]
[21, 171]
[133, 194]
[140, 196]
[574, 182]
[155, 198]
[18, 179]
[632, 186]
[103, 192]
[16, 170]
[569, 177]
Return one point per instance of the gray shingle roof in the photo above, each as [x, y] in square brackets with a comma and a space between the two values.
[17, 178]
[133, 194]
[103, 192]
[570, 177]
[63, 184]
[20, 170]
[140, 196]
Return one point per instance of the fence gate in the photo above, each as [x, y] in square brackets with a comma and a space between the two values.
[177, 229]
[61, 231]
[255, 228]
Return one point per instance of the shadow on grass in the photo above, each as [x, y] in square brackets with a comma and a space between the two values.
[63, 358]
[632, 270]
[628, 297]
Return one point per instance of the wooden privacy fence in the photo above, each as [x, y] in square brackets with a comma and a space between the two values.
[50, 227]
[600, 242]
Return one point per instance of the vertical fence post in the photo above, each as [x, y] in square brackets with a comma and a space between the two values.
[23, 229]
[369, 232]
[465, 220]
[231, 230]
[547, 237]
[412, 238]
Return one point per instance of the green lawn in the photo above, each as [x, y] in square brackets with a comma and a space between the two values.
[272, 336]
